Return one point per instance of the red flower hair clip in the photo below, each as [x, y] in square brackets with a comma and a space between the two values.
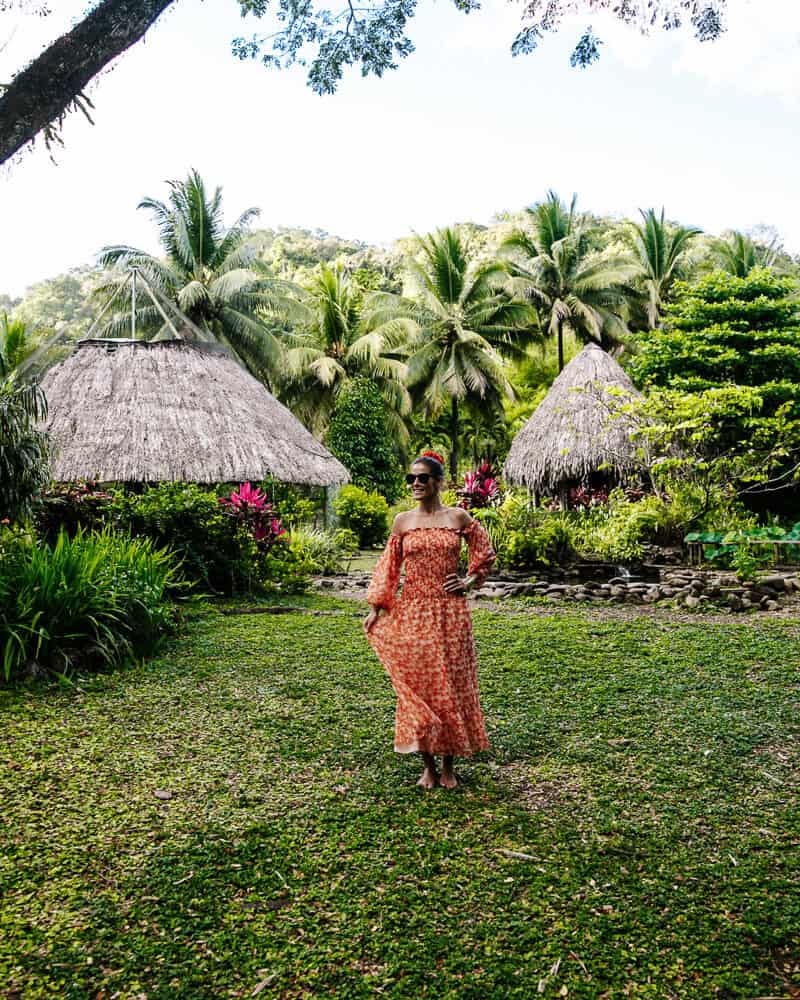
[433, 454]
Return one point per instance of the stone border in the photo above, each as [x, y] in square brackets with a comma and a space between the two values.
[684, 587]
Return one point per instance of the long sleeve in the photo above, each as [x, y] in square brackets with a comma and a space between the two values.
[383, 586]
[481, 553]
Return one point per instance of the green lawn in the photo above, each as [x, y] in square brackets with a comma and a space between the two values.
[230, 820]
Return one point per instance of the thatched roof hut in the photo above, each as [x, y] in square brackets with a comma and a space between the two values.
[138, 411]
[574, 430]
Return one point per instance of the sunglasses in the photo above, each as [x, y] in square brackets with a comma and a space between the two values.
[423, 477]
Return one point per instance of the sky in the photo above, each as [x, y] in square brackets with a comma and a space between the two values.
[459, 132]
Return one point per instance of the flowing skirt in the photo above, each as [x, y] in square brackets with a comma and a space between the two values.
[426, 645]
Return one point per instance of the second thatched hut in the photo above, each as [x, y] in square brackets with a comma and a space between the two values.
[577, 429]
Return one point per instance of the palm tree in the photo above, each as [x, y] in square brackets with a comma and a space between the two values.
[209, 272]
[661, 255]
[466, 322]
[23, 447]
[338, 338]
[573, 287]
[14, 343]
[738, 254]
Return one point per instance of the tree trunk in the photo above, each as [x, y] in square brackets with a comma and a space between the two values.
[560, 336]
[453, 438]
[41, 94]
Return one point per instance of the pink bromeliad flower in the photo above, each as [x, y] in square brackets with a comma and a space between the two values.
[246, 496]
[249, 506]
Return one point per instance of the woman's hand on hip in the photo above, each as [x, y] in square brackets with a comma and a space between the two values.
[454, 584]
[370, 620]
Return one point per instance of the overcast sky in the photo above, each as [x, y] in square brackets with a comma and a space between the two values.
[461, 130]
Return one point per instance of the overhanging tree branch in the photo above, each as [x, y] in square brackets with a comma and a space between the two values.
[41, 94]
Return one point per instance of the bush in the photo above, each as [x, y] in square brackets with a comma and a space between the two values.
[66, 506]
[524, 537]
[86, 601]
[366, 514]
[326, 551]
[191, 520]
[619, 532]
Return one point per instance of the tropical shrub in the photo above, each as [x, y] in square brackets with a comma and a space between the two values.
[249, 507]
[192, 521]
[366, 514]
[620, 531]
[546, 542]
[359, 438]
[326, 551]
[227, 544]
[480, 488]
[68, 506]
[524, 537]
[90, 600]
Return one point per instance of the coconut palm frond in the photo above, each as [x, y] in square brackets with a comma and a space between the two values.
[327, 371]
[261, 350]
[194, 296]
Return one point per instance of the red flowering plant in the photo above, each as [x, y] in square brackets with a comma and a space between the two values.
[480, 489]
[250, 507]
[584, 497]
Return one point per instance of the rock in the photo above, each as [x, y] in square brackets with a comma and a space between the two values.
[690, 601]
[772, 606]
[651, 596]
[746, 603]
[666, 591]
[776, 582]
[734, 602]
[618, 591]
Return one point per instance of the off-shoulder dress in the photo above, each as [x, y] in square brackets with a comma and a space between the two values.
[425, 641]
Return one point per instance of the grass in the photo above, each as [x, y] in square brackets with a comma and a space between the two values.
[229, 820]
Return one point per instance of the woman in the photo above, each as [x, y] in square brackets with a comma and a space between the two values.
[424, 638]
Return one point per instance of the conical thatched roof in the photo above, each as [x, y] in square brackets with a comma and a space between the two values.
[133, 411]
[574, 431]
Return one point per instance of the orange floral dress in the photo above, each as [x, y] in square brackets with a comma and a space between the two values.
[424, 639]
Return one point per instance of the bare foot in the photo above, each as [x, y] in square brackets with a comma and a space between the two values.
[429, 778]
[448, 778]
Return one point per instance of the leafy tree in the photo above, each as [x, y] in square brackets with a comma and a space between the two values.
[209, 272]
[359, 438]
[734, 335]
[662, 255]
[338, 337]
[23, 447]
[466, 322]
[61, 303]
[372, 35]
[706, 18]
[573, 288]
